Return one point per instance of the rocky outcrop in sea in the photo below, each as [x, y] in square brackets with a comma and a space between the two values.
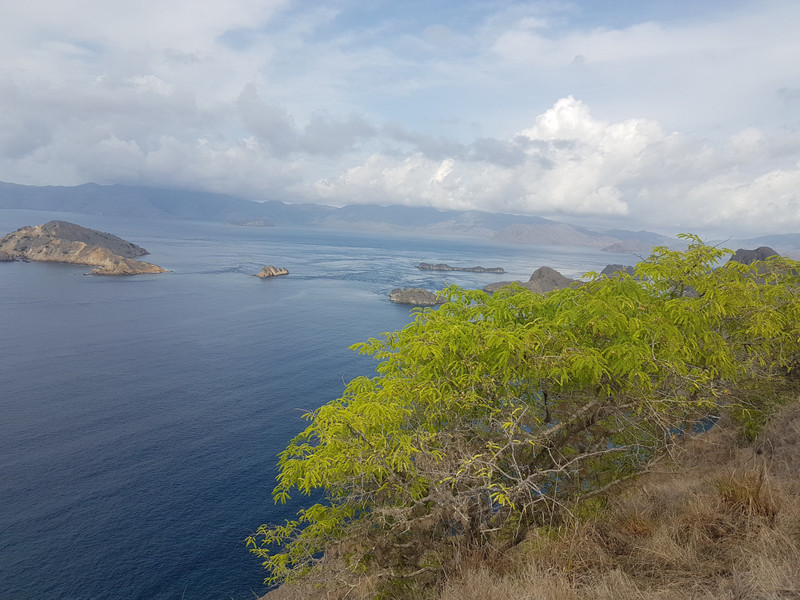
[64, 242]
[415, 296]
[543, 280]
[270, 271]
[444, 267]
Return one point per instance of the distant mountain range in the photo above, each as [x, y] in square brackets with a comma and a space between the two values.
[159, 203]
[787, 244]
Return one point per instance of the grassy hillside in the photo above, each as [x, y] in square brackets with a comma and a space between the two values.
[523, 445]
[719, 519]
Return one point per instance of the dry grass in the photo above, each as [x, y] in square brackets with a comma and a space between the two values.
[721, 522]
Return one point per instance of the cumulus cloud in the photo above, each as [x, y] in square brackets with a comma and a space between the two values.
[270, 124]
[526, 108]
[569, 163]
[499, 152]
[768, 202]
[322, 135]
[437, 147]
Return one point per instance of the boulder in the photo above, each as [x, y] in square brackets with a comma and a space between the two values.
[415, 296]
[270, 271]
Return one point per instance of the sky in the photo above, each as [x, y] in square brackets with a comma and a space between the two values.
[667, 115]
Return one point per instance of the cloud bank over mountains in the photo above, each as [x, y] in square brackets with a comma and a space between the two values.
[667, 116]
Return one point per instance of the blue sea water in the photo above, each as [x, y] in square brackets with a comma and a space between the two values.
[140, 417]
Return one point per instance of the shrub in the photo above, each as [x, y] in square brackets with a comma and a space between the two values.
[489, 413]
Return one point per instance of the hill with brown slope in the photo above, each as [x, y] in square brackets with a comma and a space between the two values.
[60, 241]
[720, 520]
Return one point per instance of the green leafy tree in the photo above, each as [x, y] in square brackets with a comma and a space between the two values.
[492, 411]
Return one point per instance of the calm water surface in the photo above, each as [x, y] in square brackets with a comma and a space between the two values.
[140, 417]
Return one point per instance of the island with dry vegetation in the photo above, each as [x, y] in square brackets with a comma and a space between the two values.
[63, 242]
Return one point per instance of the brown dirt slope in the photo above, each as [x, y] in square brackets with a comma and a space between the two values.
[718, 521]
[721, 522]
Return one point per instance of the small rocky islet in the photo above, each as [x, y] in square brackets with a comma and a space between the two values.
[415, 296]
[270, 271]
[445, 267]
[64, 242]
[544, 279]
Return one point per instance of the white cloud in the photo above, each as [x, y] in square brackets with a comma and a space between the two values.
[180, 24]
[277, 129]
[465, 105]
[150, 84]
[571, 165]
[768, 202]
[576, 165]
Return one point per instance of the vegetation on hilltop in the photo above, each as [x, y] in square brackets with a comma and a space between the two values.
[718, 521]
[493, 415]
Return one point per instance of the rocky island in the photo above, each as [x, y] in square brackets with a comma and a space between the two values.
[543, 280]
[270, 271]
[415, 296]
[444, 267]
[60, 241]
[748, 257]
[612, 269]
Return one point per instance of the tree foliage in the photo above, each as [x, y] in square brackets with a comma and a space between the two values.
[490, 412]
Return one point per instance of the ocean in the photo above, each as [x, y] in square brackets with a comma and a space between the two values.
[141, 417]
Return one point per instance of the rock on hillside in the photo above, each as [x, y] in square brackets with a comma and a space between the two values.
[543, 280]
[59, 241]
